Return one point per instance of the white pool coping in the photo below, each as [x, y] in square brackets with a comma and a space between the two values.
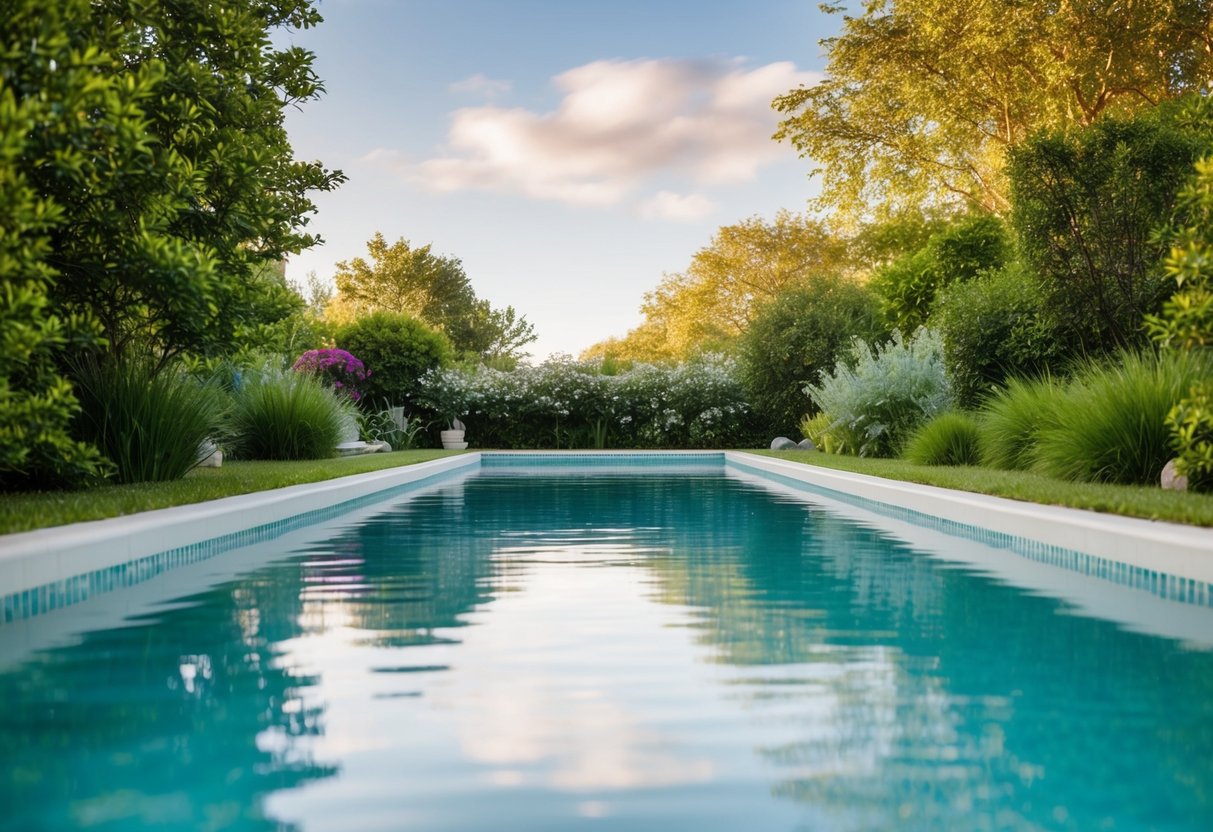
[31, 560]
[1171, 548]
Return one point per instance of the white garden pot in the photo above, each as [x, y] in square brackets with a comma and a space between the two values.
[452, 440]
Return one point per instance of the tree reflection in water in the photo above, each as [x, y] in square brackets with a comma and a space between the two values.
[880, 688]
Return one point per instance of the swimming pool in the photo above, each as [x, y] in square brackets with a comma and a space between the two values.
[531, 648]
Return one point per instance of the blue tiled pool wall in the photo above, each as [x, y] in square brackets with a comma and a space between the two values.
[1162, 584]
[58, 594]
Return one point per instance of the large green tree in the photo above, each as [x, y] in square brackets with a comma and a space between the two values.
[922, 97]
[171, 165]
[413, 280]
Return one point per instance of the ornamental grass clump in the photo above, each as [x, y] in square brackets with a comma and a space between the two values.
[150, 422]
[1012, 418]
[1111, 426]
[286, 416]
[877, 396]
[948, 439]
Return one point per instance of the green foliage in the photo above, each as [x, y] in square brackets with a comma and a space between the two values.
[36, 402]
[948, 439]
[747, 264]
[875, 398]
[397, 350]
[797, 336]
[414, 281]
[1191, 426]
[279, 415]
[1186, 321]
[392, 425]
[1111, 426]
[1087, 205]
[921, 98]
[993, 328]
[816, 428]
[959, 252]
[149, 423]
[564, 403]
[160, 139]
[1012, 419]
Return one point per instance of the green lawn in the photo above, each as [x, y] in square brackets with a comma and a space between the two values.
[1129, 500]
[21, 512]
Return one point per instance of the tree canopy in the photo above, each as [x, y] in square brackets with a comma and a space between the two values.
[709, 305]
[169, 161]
[435, 288]
[922, 97]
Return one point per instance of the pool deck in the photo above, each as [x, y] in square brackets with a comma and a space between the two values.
[49, 568]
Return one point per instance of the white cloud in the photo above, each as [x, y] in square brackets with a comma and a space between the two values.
[481, 84]
[618, 124]
[667, 205]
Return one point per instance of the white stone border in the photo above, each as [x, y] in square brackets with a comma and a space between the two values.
[1179, 550]
[32, 559]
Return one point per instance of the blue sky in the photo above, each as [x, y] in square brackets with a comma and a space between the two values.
[569, 153]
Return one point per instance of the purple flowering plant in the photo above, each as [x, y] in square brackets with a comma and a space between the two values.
[336, 368]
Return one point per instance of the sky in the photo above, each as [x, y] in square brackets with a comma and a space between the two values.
[569, 152]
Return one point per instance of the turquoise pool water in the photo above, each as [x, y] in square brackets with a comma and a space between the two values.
[550, 651]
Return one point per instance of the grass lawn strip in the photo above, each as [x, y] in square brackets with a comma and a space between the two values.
[1150, 503]
[36, 510]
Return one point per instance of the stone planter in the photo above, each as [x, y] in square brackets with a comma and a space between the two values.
[452, 440]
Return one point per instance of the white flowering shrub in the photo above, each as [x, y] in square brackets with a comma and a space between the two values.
[877, 396]
[564, 403]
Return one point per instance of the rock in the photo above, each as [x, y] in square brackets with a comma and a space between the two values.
[1172, 480]
[782, 443]
[384, 447]
[806, 444]
[356, 448]
[209, 455]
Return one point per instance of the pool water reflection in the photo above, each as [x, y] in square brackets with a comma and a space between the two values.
[551, 651]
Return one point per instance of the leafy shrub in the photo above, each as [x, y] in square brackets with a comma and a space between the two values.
[817, 429]
[1013, 417]
[336, 369]
[993, 328]
[566, 403]
[286, 416]
[150, 424]
[392, 425]
[397, 351]
[948, 439]
[909, 285]
[875, 397]
[795, 338]
[1086, 207]
[1191, 426]
[1111, 426]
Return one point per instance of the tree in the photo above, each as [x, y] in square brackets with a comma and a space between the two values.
[923, 97]
[957, 252]
[37, 403]
[795, 338]
[171, 165]
[435, 288]
[1088, 206]
[706, 308]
